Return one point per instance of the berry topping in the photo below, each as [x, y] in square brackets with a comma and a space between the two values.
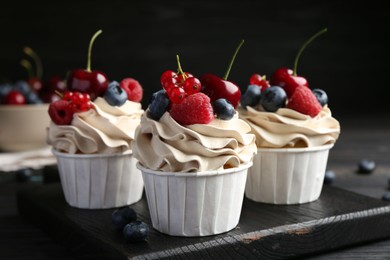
[273, 98]
[135, 231]
[195, 109]
[133, 89]
[60, 112]
[122, 216]
[251, 97]
[223, 109]
[257, 79]
[14, 97]
[159, 104]
[321, 96]
[179, 85]
[115, 95]
[304, 101]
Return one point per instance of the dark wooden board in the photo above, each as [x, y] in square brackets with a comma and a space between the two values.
[339, 218]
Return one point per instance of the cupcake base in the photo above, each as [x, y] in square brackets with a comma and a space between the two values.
[195, 204]
[287, 175]
[99, 181]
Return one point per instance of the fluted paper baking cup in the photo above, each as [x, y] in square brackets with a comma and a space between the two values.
[287, 175]
[197, 203]
[99, 181]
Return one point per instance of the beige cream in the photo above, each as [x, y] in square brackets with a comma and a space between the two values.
[288, 128]
[168, 146]
[104, 129]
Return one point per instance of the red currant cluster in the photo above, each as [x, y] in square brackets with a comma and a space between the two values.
[61, 111]
[78, 101]
[257, 79]
[179, 85]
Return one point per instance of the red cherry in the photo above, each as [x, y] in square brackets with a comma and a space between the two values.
[56, 83]
[257, 79]
[35, 84]
[95, 83]
[285, 78]
[14, 97]
[192, 85]
[216, 88]
[288, 79]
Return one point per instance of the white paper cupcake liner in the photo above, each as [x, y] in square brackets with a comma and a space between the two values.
[195, 204]
[99, 181]
[287, 175]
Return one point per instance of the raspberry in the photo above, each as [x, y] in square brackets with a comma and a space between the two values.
[133, 89]
[60, 112]
[194, 109]
[304, 101]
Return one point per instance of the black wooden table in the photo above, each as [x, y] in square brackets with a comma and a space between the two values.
[349, 220]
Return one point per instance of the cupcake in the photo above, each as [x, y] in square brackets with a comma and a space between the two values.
[294, 131]
[194, 155]
[91, 131]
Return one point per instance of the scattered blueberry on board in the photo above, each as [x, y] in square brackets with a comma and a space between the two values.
[366, 166]
[135, 231]
[386, 196]
[330, 176]
[125, 221]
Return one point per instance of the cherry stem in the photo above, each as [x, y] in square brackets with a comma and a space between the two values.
[179, 67]
[90, 49]
[36, 59]
[232, 60]
[27, 65]
[59, 93]
[304, 47]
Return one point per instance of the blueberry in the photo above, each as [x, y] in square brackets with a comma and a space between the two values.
[223, 109]
[366, 166]
[330, 176]
[122, 216]
[251, 97]
[23, 87]
[24, 175]
[33, 98]
[321, 96]
[273, 98]
[5, 89]
[386, 196]
[115, 95]
[135, 231]
[159, 104]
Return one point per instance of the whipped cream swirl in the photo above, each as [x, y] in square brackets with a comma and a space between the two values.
[289, 128]
[104, 129]
[168, 146]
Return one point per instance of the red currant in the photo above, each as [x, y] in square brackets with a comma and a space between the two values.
[167, 77]
[191, 85]
[259, 80]
[176, 95]
[182, 77]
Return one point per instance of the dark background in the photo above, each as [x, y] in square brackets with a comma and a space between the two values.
[140, 40]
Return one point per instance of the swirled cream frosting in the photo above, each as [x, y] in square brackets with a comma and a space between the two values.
[103, 129]
[289, 128]
[168, 146]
